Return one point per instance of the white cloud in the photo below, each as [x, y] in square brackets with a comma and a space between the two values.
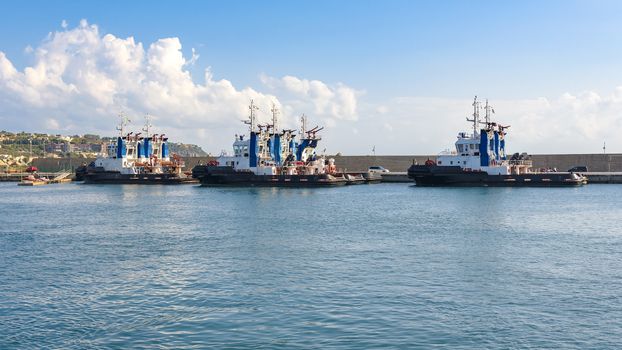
[382, 109]
[336, 101]
[194, 58]
[570, 123]
[52, 124]
[84, 78]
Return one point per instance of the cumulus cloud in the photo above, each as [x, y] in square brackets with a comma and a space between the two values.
[336, 101]
[81, 79]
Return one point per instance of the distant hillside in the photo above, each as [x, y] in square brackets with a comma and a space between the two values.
[187, 150]
[87, 145]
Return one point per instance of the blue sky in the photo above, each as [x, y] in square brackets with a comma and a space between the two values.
[394, 54]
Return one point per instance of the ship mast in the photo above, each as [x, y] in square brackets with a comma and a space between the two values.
[475, 120]
[488, 109]
[303, 120]
[275, 115]
[147, 124]
[252, 122]
[124, 121]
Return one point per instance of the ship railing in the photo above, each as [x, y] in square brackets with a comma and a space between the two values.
[523, 162]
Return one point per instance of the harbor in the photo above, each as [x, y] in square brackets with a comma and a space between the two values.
[596, 162]
[607, 168]
[270, 156]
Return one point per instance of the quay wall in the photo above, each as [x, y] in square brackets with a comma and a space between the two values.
[594, 162]
[59, 164]
[563, 162]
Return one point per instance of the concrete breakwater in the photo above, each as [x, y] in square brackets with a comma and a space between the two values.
[562, 162]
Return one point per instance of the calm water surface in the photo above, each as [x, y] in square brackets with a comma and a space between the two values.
[391, 265]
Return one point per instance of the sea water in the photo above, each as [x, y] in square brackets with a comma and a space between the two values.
[356, 267]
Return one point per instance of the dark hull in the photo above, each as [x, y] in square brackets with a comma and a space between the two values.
[110, 177]
[226, 176]
[80, 172]
[454, 176]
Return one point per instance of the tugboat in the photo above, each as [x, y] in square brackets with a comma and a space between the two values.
[480, 160]
[270, 157]
[135, 159]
